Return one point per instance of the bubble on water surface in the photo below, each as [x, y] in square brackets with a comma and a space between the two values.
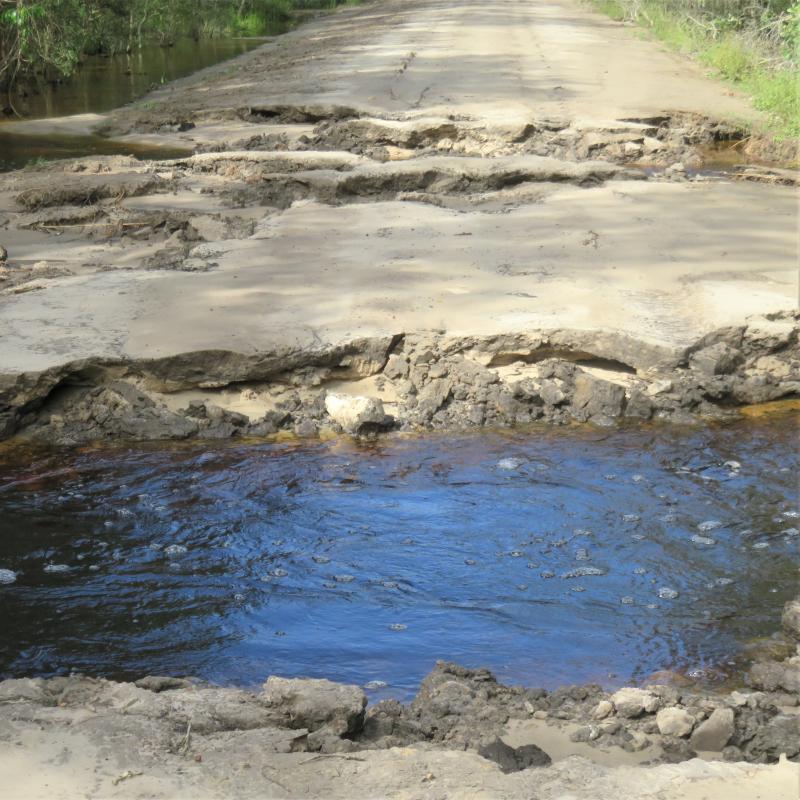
[522, 586]
[665, 593]
[470, 562]
[390, 584]
[639, 571]
[760, 545]
[732, 464]
[175, 549]
[547, 574]
[709, 525]
[510, 463]
[637, 478]
[532, 565]
[723, 581]
[610, 476]
[94, 567]
[344, 578]
[239, 597]
[7, 576]
[637, 536]
[582, 572]
[372, 685]
[156, 546]
[577, 588]
[320, 559]
[630, 517]
[57, 568]
[627, 600]
[278, 572]
[582, 554]
[790, 532]
[408, 541]
[582, 532]
[697, 539]
[516, 554]
[398, 626]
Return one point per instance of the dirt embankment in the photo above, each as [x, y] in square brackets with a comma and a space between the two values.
[464, 735]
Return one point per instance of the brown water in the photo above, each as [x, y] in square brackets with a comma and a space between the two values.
[105, 83]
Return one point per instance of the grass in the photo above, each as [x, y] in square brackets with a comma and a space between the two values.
[739, 59]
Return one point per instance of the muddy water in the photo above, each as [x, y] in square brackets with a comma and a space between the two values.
[552, 557]
[105, 83]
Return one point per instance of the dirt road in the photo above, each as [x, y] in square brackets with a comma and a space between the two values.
[454, 172]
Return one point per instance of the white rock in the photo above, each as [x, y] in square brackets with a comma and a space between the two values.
[354, 412]
[602, 709]
[630, 702]
[674, 722]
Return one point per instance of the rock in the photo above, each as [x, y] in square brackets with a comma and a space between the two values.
[602, 709]
[356, 414]
[630, 702]
[513, 759]
[3, 255]
[638, 741]
[715, 732]
[551, 392]
[159, 683]
[676, 749]
[719, 359]
[791, 618]
[674, 722]
[639, 405]
[774, 676]
[313, 704]
[780, 735]
[595, 397]
[33, 690]
[434, 396]
[396, 367]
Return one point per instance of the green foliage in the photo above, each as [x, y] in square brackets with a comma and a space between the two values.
[47, 38]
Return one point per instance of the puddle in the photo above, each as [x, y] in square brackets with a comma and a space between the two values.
[551, 557]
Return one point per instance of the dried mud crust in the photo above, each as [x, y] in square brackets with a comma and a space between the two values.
[464, 734]
[408, 382]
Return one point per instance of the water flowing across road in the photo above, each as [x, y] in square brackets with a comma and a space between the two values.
[550, 556]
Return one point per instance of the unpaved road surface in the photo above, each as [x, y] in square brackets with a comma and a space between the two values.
[450, 171]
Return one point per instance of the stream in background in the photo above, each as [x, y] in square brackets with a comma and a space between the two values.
[104, 83]
[551, 556]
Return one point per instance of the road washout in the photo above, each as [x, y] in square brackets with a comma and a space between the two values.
[405, 216]
[356, 223]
